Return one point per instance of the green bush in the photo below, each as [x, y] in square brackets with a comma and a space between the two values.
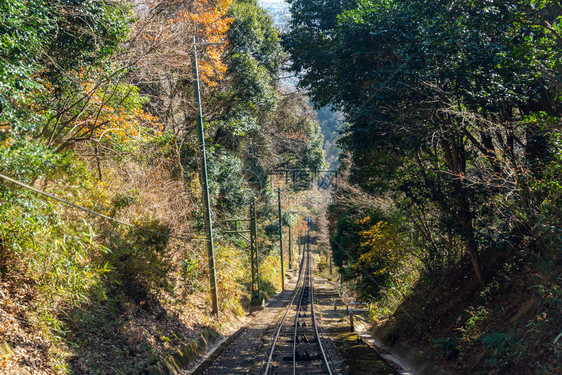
[139, 258]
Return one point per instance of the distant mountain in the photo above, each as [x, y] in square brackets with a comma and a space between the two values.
[330, 121]
[279, 11]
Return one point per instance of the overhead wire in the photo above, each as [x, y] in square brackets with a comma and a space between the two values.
[48, 195]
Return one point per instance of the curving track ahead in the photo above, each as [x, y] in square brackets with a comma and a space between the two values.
[297, 346]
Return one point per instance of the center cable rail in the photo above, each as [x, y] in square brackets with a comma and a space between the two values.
[304, 289]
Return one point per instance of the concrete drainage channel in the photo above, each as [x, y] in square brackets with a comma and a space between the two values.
[359, 326]
[176, 362]
[386, 354]
[406, 359]
[407, 355]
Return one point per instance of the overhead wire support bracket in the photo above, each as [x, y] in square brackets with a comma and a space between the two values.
[254, 258]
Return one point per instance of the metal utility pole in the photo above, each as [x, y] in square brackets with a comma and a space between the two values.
[299, 236]
[254, 254]
[308, 236]
[290, 250]
[281, 239]
[307, 248]
[204, 177]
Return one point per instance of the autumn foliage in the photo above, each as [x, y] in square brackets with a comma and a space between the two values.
[212, 23]
[97, 108]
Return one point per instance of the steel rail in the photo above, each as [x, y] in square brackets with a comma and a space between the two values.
[282, 322]
[305, 281]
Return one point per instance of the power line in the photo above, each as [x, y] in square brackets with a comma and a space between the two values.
[21, 184]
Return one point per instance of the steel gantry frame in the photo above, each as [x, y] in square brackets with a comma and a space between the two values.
[254, 253]
[254, 256]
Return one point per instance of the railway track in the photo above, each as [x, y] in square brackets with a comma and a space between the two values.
[297, 346]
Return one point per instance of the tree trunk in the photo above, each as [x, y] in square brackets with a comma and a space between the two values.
[475, 259]
[98, 162]
[464, 215]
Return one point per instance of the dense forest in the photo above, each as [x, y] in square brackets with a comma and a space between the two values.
[448, 216]
[442, 118]
[97, 108]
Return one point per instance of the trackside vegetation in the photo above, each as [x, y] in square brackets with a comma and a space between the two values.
[97, 108]
[448, 218]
